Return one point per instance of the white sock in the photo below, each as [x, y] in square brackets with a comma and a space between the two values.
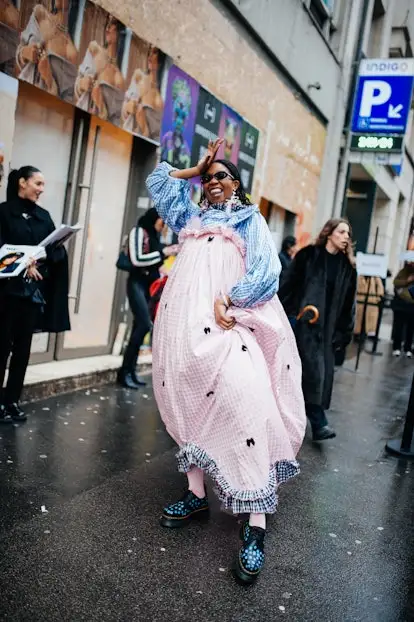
[196, 482]
[257, 520]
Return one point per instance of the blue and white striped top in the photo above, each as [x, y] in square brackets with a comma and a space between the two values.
[172, 200]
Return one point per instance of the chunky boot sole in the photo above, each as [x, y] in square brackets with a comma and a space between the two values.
[242, 576]
[176, 523]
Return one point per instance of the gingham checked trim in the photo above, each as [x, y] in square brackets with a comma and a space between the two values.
[259, 501]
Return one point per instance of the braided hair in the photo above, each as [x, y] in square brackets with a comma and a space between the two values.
[234, 172]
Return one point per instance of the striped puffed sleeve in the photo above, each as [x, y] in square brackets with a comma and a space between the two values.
[171, 197]
[261, 280]
[138, 254]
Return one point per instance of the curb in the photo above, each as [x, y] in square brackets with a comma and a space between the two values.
[52, 387]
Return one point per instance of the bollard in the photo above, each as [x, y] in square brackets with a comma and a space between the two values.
[404, 448]
[377, 330]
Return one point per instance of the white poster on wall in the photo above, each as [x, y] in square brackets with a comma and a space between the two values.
[372, 265]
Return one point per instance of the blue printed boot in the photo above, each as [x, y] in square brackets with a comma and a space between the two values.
[251, 557]
[184, 511]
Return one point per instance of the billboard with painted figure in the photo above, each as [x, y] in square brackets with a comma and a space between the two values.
[179, 118]
[82, 54]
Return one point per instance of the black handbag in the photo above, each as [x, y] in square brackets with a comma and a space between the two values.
[124, 263]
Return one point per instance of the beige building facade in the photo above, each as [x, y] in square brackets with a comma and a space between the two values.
[95, 169]
[80, 109]
[204, 40]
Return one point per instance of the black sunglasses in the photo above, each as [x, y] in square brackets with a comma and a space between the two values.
[219, 176]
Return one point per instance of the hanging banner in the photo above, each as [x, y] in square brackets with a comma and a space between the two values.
[77, 51]
[179, 118]
[143, 105]
[9, 36]
[82, 54]
[230, 129]
[247, 154]
[206, 125]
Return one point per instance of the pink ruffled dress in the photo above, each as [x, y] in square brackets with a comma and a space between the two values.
[232, 400]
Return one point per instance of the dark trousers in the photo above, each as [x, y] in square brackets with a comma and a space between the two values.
[403, 322]
[138, 302]
[316, 416]
[17, 323]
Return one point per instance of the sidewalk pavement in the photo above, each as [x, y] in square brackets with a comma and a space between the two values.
[56, 377]
[82, 484]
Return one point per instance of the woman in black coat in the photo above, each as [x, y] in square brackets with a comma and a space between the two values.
[322, 275]
[37, 301]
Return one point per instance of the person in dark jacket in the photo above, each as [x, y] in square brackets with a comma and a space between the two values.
[287, 254]
[403, 308]
[37, 301]
[147, 256]
[322, 275]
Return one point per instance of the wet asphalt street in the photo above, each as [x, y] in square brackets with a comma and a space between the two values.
[82, 485]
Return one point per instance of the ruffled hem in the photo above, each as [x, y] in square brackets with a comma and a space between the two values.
[260, 501]
[196, 231]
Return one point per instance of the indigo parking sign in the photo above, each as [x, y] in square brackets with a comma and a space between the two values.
[383, 96]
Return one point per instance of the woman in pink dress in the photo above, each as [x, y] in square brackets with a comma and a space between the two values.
[227, 374]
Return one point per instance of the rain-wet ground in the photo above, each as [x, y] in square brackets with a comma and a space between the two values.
[83, 481]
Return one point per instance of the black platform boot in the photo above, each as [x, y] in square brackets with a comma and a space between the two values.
[184, 511]
[251, 557]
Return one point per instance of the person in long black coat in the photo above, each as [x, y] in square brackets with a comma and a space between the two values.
[322, 275]
[37, 302]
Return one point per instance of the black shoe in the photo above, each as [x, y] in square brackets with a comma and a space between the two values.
[126, 380]
[15, 412]
[184, 511]
[251, 557]
[4, 415]
[138, 380]
[322, 434]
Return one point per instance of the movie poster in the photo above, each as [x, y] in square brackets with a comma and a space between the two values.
[77, 51]
[143, 105]
[100, 85]
[229, 130]
[247, 154]
[85, 56]
[206, 125]
[179, 118]
[46, 54]
[9, 35]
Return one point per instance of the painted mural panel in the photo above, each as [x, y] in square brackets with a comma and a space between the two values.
[179, 118]
[82, 54]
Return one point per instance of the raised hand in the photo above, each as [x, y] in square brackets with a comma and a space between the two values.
[202, 166]
[209, 156]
